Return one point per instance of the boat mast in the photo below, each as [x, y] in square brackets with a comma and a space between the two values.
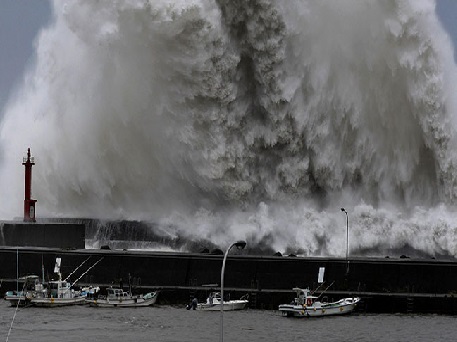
[57, 270]
[42, 268]
[17, 271]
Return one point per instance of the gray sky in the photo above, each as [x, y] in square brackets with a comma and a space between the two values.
[447, 11]
[21, 20]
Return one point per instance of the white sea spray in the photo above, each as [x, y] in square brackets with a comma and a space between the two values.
[250, 120]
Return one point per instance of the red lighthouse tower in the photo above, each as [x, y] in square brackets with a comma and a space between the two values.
[29, 203]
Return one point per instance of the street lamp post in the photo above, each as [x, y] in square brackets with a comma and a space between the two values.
[239, 245]
[347, 239]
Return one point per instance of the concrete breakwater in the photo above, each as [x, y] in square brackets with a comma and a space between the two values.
[386, 285]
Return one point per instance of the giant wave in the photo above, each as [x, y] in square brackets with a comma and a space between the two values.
[224, 120]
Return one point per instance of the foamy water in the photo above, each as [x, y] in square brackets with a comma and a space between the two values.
[254, 120]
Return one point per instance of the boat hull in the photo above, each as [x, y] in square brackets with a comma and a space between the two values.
[55, 302]
[16, 300]
[227, 306]
[139, 301]
[342, 307]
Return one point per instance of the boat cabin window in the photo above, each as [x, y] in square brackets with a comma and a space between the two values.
[117, 293]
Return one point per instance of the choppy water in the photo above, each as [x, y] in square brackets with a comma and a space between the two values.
[166, 323]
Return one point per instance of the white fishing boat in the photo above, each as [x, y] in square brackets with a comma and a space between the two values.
[117, 297]
[53, 293]
[58, 292]
[214, 302]
[307, 305]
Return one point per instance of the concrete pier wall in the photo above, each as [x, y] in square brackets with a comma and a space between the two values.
[386, 285]
[156, 269]
[52, 235]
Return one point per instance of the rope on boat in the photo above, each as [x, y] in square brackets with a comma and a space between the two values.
[76, 268]
[317, 288]
[82, 275]
[326, 289]
[87, 271]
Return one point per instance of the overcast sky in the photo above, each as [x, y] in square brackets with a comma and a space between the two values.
[21, 20]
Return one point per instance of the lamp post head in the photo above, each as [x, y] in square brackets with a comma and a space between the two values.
[343, 210]
[240, 244]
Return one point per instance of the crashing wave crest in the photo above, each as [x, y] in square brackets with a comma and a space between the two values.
[253, 120]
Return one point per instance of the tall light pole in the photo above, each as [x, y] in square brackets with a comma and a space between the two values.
[239, 245]
[347, 239]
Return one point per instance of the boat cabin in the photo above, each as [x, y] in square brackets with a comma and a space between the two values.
[303, 297]
[213, 298]
[116, 293]
[60, 289]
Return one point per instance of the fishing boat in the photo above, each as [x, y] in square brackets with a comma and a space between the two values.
[117, 297]
[307, 305]
[32, 286]
[58, 292]
[214, 302]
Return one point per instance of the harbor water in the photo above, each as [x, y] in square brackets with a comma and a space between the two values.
[173, 323]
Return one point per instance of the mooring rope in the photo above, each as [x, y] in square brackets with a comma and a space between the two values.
[15, 311]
